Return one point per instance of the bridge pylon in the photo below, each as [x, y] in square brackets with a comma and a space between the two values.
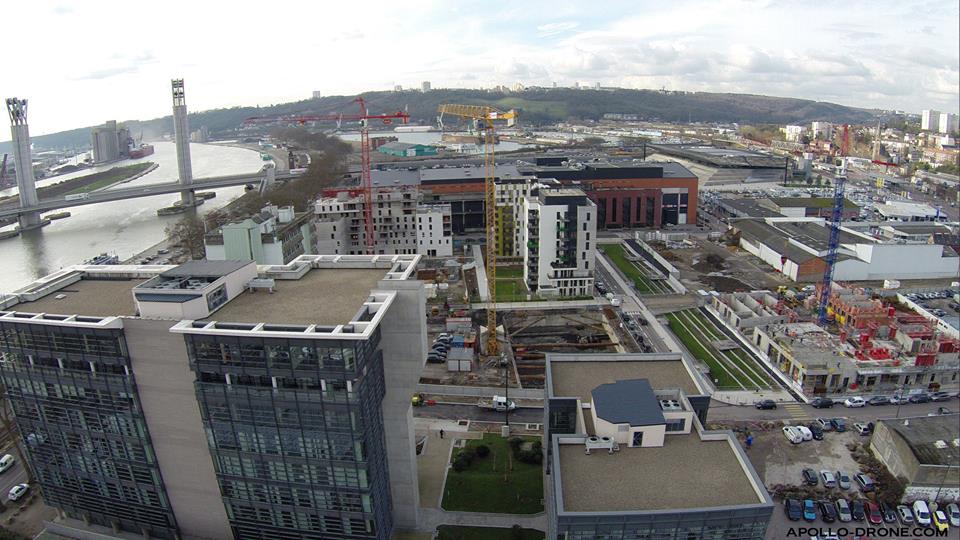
[26, 184]
[181, 135]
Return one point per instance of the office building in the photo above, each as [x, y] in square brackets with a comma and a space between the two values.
[924, 451]
[425, 86]
[559, 233]
[628, 456]
[208, 400]
[930, 120]
[947, 123]
[274, 236]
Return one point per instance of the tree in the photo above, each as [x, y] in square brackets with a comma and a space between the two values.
[188, 233]
[593, 141]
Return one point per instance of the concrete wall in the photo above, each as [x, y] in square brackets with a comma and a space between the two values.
[404, 344]
[165, 386]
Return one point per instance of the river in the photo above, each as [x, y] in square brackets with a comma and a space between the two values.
[123, 228]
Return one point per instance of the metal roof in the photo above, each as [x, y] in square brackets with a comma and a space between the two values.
[629, 401]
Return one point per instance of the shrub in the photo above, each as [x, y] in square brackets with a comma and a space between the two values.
[461, 463]
[468, 453]
[483, 451]
[532, 457]
[516, 532]
[515, 444]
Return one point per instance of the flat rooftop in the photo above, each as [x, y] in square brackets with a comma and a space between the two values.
[930, 438]
[323, 296]
[684, 473]
[94, 297]
[579, 378]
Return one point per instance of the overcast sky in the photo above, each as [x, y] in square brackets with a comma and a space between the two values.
[86, 62]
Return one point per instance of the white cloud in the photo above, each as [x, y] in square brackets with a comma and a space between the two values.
[117, 58]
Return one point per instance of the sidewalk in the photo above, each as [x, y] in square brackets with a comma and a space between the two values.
[431, 518]
[432, 467]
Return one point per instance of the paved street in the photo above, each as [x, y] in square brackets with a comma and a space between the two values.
[11, 477]
[804, 413]
[476, 414]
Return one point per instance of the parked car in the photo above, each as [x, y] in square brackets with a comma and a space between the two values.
[864, 429]
[888, 513]
[905, 514]
[843, 480]
[865, 482]
[897, 399]
[878, 400]
[824, 424]
[839, 424]
[940, 521]
[822, 403]
[844, 515]
[829, 479]
[857, 510]
[792, 435]
[941, 396]
[817, 432]
[810, 510]
[873, 513]
[921, 513]
[810, 477]
[17, 492]
[854, 402]
[828, 512]
[805, 432]
[766, 404]
[6, 462]
[953, 514]
[919, 398]
[792, 508]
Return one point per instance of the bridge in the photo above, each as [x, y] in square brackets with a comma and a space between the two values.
[119, 194]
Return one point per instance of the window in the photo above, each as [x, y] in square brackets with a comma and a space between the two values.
[677, 424]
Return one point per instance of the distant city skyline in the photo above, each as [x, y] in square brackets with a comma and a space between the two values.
[89, 62]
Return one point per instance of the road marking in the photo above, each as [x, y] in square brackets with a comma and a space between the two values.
[796, 411]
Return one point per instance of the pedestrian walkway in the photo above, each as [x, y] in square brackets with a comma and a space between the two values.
[796, 411]
[431, 518]
[432, 468]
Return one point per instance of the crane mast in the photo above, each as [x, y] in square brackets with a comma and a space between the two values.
[484, 118]
[839, 185]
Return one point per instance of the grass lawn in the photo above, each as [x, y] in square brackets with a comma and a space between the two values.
[512, 272]
[455, 532]
[510, 290]
[618, 256]
[111, 176]
[497, 483]
[717, 370]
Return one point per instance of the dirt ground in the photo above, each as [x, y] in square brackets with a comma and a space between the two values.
[27, 518]
[714, 266]
[777, 461]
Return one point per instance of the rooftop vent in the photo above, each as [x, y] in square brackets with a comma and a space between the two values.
[940, 444]
[601, 443]
[670, 405]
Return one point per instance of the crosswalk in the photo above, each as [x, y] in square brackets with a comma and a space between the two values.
[796, 412]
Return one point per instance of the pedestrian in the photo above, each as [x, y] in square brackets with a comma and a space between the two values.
[749, 441]
[441, 433]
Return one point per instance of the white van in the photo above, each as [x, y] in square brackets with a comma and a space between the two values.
[792, 434]
[921, 512]
[6, 462]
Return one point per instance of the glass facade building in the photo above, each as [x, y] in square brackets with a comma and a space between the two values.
[295, 431]
[75, 399]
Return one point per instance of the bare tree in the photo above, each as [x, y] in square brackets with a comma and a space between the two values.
[13, 431]
[188, 233]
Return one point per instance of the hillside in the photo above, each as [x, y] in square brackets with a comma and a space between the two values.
[540, 106]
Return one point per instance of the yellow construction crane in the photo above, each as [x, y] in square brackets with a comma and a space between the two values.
[483, 118]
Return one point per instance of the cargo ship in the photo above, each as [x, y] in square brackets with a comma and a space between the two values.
[143, 150]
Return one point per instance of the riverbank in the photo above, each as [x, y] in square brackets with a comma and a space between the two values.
[88, 183]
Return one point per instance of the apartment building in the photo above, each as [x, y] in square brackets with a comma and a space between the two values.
[274, 236]
[628, 456]
[434, 232]
[341, 227]
[559, 236]
[930, 120]
[208, 400]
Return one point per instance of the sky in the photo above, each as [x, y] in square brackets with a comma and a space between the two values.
[85, 62]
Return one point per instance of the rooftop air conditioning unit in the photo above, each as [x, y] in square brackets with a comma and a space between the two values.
[670, 405]
[601, 443]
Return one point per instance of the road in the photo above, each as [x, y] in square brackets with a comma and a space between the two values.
[630, 306]
[721, 411]
[11, 477]
[472, 412]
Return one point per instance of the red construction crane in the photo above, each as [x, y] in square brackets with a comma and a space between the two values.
[364, 118]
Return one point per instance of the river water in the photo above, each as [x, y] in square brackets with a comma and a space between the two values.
[124, 228]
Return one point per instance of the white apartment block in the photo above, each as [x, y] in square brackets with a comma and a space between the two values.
[434, 234]
[510, 194]
[822, 129]
[930, 120]
[396, 220]
[947, 123]
[793, 133]
[559, 242]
